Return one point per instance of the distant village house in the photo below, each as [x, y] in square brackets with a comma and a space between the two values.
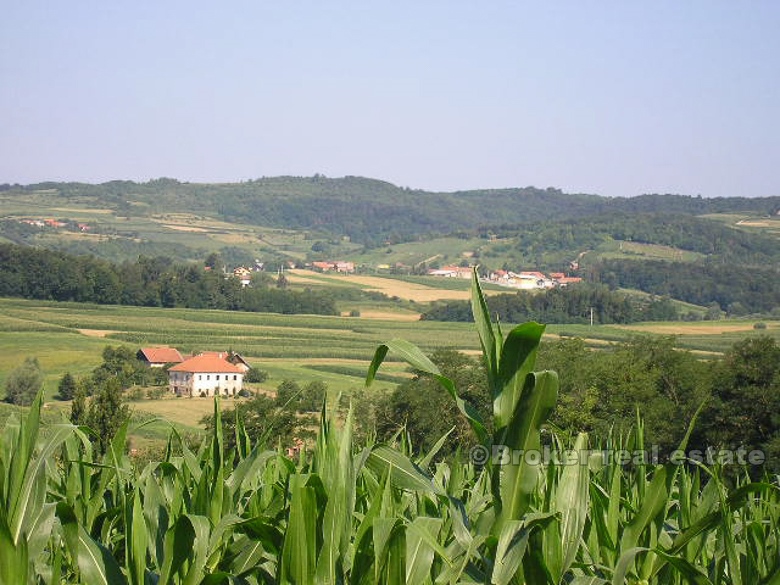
[527, 280]
[338, 266]
[452, 272]
[244, 275]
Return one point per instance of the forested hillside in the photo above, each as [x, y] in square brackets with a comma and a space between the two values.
[544, 243]
[368, 211]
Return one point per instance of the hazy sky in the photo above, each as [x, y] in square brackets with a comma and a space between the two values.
[616, 98]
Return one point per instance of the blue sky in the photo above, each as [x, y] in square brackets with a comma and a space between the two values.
[614, 98]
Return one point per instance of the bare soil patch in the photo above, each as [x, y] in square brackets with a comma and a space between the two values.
[692, 329]
[392, 288]
[386, 316]
[184, 228]
[755, 223]
[96, 332]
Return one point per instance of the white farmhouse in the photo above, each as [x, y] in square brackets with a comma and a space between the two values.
[205, 375]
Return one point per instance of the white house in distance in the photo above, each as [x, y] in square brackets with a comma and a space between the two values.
[205, 375]
[452, 271]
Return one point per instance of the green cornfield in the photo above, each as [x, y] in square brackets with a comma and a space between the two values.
[346, 513]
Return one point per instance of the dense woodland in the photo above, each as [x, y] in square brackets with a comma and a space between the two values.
[737, 288]
[564, 305]
[34, 273]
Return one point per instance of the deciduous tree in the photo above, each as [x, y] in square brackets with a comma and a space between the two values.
[24, 382]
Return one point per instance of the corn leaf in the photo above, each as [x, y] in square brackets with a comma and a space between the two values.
[519, 481]
[412, 355]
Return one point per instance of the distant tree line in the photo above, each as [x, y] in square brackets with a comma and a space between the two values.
[563, 305]
[736, 288]
[34, 273]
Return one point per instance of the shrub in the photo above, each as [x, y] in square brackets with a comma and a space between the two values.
[135, 394]
[24, 382]
[255, 376]
[156, 393]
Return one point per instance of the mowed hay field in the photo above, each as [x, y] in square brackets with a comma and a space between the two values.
[392, 287]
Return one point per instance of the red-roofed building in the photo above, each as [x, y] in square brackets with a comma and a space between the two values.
[536, 275]
[232, 357]
[206, 375]
[569, 280]
[157, 357]
[452, 272]
[338, 266]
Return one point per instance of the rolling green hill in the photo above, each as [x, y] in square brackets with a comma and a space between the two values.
[367, 211]
[382, 227]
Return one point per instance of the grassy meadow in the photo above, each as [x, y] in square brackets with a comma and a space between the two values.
[71, 336]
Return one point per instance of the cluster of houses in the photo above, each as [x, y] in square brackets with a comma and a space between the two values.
[55, 223]
[334, 266]
[209, 373]
[244, 274]
[518, 280]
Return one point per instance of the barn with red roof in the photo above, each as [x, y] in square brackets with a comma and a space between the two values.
[157, 357]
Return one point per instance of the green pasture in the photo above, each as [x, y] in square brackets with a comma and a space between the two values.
[447, 250]
[623, 249]
[51, 332]
[71, 336]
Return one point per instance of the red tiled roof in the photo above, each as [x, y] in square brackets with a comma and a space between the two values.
[219, 354]
[538, 275]
[207, 364]
[162, 355]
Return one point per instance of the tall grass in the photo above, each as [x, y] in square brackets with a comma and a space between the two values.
[343, 513]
